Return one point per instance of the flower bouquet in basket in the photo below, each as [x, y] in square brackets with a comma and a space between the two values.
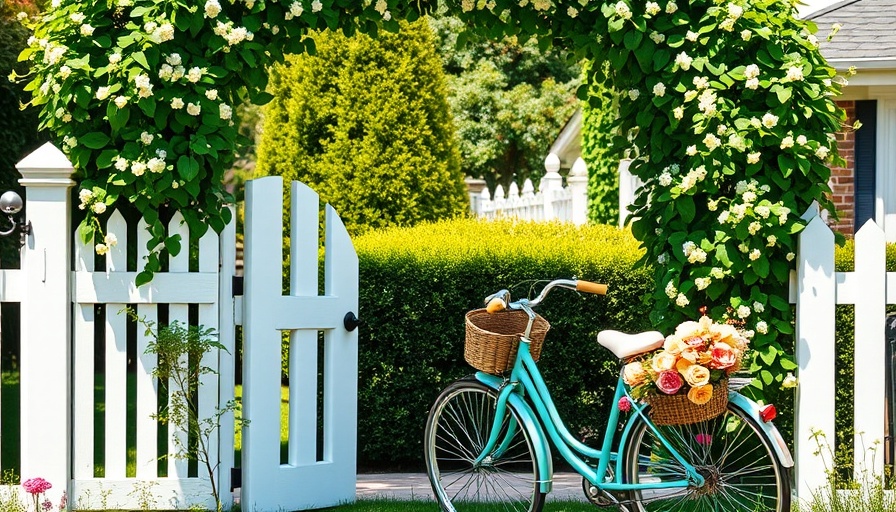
[687, 380]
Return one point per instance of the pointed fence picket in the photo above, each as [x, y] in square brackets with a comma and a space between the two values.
[552, 201]
[817, 290]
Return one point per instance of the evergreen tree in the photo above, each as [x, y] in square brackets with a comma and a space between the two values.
[365, 122]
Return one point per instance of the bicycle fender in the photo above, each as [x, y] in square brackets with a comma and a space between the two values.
[531, 424]
[752, 409]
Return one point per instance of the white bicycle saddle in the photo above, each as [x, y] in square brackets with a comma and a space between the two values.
[626, 345]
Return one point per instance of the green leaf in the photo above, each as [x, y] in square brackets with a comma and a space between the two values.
[143, 278]
[766, 377]
[686, 208]
[787, 364]
[172, 244]
[86, 230]
[778, 303]
[105, 159]
[768, 354]
[94, 140]
[140, 57]
[633, 39]
[760, 266]
[187, 167]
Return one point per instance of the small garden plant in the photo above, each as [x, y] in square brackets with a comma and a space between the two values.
[180, 349]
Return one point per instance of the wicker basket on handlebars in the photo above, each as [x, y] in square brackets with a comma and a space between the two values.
[679, 410]
[493, 338]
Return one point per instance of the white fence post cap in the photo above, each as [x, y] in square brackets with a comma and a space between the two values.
[552, 163]
[46, 165]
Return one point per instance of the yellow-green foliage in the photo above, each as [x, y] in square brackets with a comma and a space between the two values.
[417, 284]
[365, 123]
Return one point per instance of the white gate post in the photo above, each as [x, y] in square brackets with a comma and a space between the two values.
[578, 186]
[45, 348]
[815, 356]
[550, 182]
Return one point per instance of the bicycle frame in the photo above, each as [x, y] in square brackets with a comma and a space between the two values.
[526, 380]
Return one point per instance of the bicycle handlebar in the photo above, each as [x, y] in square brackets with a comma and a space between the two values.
[501, 300]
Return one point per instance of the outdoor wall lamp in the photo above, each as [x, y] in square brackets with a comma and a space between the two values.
[11, 204]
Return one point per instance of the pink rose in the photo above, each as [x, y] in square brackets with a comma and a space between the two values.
[624, 404]
[704, 439]
[669, 382]
[723, 356]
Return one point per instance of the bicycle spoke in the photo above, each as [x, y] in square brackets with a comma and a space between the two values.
[730, 452]
[458, 429]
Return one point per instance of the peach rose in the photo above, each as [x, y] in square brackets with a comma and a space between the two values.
[633, 374]
[663, 361]
[723, 356]
[696, 375]
[687, 329]
[674, 345]
[682, 365]
[700, 394]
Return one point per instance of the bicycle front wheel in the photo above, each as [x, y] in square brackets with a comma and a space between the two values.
[457, 430]
[730, 451]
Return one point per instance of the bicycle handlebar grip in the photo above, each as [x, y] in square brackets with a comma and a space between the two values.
[495, 305]
[589, 287]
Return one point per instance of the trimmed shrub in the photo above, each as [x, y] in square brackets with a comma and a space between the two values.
[365, 122]
[417, 284]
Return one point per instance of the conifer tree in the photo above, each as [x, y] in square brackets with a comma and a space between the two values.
[365, 122]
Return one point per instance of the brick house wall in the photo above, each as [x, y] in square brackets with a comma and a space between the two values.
[843, 178]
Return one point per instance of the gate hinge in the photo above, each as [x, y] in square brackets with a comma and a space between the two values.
[237, 286]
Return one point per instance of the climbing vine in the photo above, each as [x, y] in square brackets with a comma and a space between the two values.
[726, 105]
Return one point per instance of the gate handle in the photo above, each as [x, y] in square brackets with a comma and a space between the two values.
[351, 322]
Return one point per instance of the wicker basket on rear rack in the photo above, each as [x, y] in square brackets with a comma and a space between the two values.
[679, 410]
[493, 338]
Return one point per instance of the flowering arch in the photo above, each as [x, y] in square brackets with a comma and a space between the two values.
[725, 103]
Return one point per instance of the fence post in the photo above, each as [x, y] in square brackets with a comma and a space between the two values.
[578, 187]
[45, 332]
[550, 182]
[815, 323]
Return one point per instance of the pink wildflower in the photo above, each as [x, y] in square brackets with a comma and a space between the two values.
[624, 404]
[47, 505]
[36, 485]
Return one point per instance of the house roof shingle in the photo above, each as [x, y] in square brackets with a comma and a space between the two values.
[868, 33]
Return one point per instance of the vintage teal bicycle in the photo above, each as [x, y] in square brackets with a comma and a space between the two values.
[488, 441]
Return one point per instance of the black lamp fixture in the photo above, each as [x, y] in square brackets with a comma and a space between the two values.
[11, 204]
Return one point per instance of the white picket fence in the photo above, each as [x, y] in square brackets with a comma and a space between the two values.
[70, 320]
[552, 201]
[816, 289]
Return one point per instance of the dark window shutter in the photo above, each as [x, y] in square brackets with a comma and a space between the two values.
[865, 161]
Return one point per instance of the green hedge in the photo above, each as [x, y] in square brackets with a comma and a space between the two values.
[417, 284]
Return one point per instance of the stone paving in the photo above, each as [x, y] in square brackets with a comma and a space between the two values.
[415, 486]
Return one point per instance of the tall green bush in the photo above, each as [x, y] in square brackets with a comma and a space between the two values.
[417, 284]
[598, 118]
[366, 124]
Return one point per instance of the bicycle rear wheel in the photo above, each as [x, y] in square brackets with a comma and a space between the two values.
[732, 453]
[457, 430]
